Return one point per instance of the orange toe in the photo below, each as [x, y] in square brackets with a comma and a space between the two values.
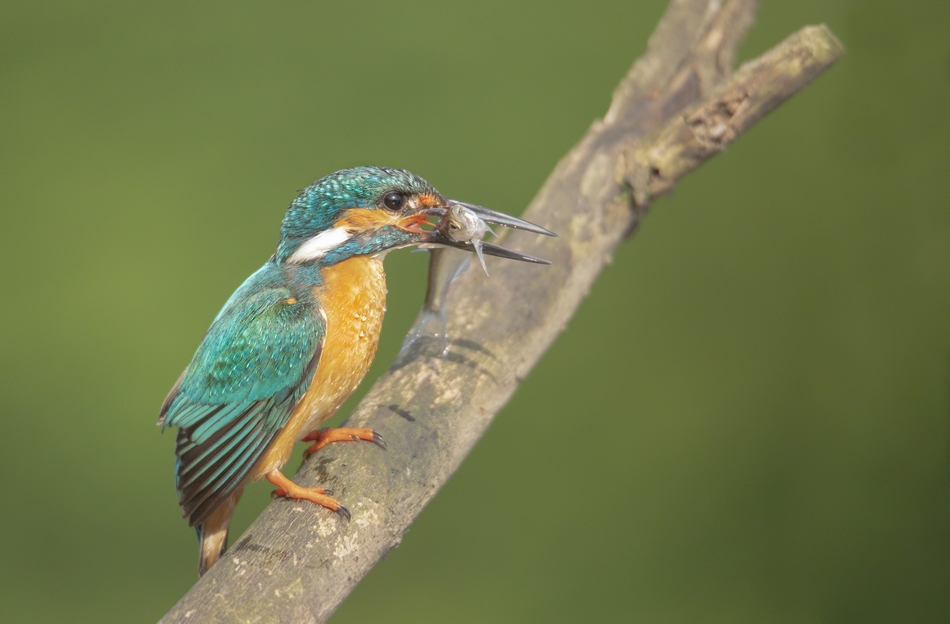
[288, 489]
[282, 493]
[322, 437]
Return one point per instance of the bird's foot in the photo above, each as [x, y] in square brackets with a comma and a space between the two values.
[322, 437]
[321, 496]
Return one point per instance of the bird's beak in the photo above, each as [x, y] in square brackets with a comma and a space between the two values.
[438, 237]
[499, 218]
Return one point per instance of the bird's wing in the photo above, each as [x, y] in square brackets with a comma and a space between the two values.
[253, 366]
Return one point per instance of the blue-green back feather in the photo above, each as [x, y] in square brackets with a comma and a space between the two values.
[253, 366]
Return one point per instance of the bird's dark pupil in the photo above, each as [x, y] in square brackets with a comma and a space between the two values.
[393, 201]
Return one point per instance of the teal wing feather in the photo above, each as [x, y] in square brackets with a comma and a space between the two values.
[253, 366]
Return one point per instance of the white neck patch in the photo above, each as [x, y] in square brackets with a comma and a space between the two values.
[318, 246]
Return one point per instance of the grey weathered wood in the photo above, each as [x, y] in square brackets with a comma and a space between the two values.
[678, 105]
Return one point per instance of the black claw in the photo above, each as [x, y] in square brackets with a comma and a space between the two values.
[328, 491]
[379, 441]
[343, 511]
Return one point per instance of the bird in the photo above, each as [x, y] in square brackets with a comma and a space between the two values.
[296, 339]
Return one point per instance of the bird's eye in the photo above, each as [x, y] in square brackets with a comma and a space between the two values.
[394, 201]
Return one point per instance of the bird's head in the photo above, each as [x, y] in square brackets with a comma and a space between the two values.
[368, 211]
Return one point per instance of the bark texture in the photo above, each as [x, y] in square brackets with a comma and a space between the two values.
[678, 105]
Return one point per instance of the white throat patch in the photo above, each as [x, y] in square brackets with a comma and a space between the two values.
[318, 246]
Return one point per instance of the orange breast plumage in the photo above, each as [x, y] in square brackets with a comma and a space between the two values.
[353, 298]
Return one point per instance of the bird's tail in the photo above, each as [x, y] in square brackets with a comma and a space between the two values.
[213, 533]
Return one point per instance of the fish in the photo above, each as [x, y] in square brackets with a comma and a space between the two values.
[462, 223]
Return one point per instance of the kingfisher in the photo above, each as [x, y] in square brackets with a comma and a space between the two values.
[295, 340]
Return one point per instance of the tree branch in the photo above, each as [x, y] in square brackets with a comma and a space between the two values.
[677, 106]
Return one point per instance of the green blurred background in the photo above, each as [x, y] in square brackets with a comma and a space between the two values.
[747, 421]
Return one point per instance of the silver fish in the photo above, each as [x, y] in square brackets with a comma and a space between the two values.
[466, 225]
[462, 225]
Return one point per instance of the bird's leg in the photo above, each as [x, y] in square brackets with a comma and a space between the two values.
[322, 437]
[289, 489]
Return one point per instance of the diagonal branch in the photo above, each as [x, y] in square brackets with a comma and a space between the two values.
[678, 106]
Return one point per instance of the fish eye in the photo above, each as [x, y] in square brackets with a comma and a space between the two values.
[394, 201]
